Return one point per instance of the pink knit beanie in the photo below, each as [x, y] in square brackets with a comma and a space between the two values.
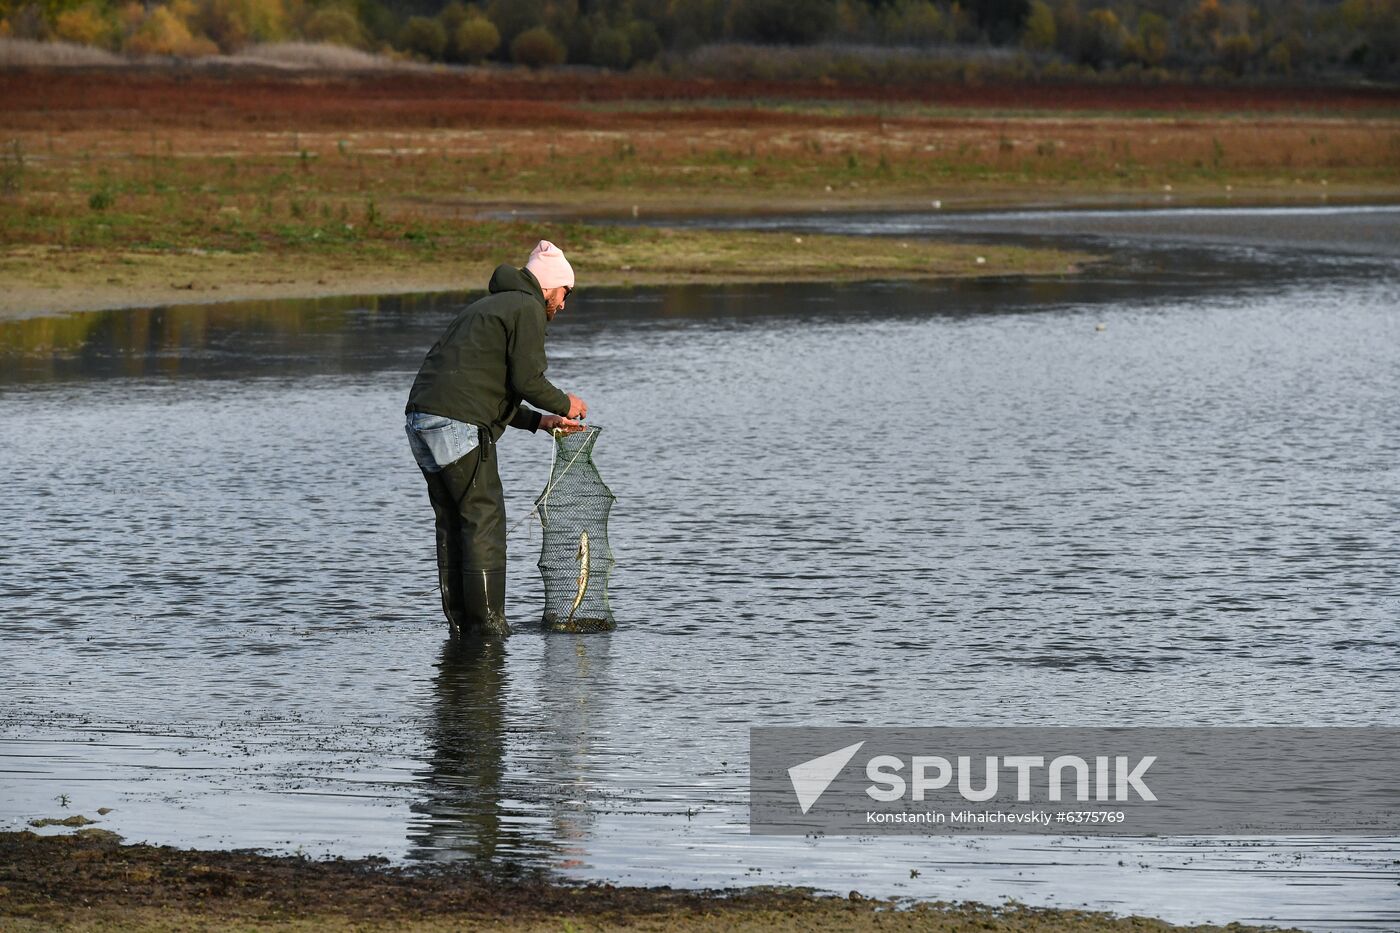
[548, 265]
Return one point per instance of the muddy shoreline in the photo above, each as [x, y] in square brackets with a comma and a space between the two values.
[90, 880]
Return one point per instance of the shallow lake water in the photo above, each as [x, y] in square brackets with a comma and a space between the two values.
[1164, 492]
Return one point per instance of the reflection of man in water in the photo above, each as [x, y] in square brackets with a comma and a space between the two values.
[470, 387]
[463, 781]
[536, 809]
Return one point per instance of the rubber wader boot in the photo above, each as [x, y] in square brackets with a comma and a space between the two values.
[474, 486]
[486, 601]
[449, 551]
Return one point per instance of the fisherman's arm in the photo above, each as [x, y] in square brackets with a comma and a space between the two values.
[526, 363]
[527, 419]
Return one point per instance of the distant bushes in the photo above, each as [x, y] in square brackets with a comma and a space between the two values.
[782, 22]
[160, 31]
[861, 64]
[85, 25]
[233, 24]
[424, 37]
[475, 39]
[611, 49]
[1210, 39]
[537, 48]
[336, 25]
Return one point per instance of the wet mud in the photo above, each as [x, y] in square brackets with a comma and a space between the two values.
[70, 882]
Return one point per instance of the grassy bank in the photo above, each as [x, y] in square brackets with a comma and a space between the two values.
[388, 256]
[142, 186]
[92, 882]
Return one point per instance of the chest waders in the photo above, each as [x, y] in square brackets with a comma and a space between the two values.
[469, 510]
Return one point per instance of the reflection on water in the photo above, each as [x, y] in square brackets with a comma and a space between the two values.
[471, 806]
[463, 785]
[1263, 238]
[890, 504]
[209, 340]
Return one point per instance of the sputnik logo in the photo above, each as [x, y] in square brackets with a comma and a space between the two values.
[810, 779]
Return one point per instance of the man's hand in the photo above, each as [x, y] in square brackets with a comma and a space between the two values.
[554, 423]
[578, 408]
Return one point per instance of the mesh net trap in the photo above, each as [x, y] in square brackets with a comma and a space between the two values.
[575, 560]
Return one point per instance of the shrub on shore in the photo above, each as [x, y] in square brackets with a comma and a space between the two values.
[335, 25]
[424, 37]
[476, 38]
[537, 48]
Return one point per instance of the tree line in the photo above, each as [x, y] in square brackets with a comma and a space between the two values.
[1205, 38]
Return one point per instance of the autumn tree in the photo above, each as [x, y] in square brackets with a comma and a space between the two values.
[475, 39]
[780, 22]
[1038, 35]
[89, 24]
[537, 47]
[1377, 24]
[335, 24]
[1151, 40]
[232, 24]
[999, 20]
[424, 37]
[1102, 38]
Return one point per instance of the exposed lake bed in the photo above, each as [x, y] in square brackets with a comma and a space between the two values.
[1160, 493]
[89, 882]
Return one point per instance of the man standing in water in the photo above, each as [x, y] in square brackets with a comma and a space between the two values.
[469, 389]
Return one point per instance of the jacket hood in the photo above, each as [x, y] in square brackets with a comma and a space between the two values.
[507, 278]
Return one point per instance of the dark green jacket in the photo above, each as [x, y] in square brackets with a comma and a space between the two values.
[490, 358]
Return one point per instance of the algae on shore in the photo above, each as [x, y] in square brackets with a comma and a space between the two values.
[89, 884]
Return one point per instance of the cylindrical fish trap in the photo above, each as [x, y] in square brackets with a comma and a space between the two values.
[575, 560]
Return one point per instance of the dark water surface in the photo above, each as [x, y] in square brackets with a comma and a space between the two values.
[881, 504]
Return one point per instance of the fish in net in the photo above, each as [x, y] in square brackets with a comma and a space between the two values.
[575, 560]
